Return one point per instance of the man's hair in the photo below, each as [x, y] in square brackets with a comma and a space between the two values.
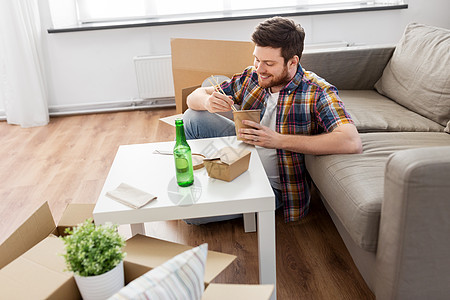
[279, 32]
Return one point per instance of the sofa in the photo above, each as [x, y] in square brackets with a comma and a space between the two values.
[391, 203]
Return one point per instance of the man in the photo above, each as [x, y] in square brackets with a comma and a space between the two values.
[301, 114]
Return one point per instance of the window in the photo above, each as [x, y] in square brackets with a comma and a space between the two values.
[85, 12]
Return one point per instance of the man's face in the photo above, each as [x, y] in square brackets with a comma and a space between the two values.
[272, 71]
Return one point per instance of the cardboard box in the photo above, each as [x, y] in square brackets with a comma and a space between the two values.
[35, 261]
[39, 226]
[228, 163]
[145, 253]
[194, 60]
[30, 256]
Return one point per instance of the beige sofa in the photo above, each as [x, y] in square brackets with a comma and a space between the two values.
[391, 204]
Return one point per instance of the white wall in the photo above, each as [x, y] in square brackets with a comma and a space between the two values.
[97, 66]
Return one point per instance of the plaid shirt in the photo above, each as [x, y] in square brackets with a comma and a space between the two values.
[306, 105]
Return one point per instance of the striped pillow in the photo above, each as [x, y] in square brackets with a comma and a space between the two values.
[181, 277]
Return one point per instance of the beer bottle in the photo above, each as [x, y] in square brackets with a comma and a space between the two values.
[183, 157]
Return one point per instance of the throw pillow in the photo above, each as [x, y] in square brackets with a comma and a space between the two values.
[418, 74]
[447, 129]
[181, 277]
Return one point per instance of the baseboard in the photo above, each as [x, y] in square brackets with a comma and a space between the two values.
[101, 107]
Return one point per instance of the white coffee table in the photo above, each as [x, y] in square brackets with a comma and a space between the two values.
[250, 193]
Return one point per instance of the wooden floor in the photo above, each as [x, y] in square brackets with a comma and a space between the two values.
[68, 160]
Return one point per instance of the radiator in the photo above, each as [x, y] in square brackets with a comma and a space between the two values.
[154, 77]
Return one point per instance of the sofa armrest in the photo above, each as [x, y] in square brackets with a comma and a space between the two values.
[349, 68]
[413, 260]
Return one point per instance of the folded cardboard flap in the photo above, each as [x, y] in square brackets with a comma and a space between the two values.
[228, 155]
[181, 105]
[194, 60]
[217, 291]
[74, 214]
[145, 253]
[38, 226]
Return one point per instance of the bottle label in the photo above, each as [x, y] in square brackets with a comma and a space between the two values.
[182, 165]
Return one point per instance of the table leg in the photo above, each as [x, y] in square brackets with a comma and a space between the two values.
[250, 222]
[266, 250]
[138, 228]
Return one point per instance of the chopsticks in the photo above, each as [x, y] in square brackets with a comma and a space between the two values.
[216, 87]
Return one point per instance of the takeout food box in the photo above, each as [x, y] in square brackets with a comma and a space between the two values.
[228, 163]
[32, 266]
[194, 60]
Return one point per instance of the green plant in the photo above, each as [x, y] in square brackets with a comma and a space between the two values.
[93, 249]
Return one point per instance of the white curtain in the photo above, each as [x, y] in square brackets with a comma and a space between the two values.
[23, 86]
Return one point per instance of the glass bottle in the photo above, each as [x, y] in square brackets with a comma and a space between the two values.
[183, 157]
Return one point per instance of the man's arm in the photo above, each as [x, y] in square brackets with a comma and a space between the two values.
[343, 139]
[205, 98]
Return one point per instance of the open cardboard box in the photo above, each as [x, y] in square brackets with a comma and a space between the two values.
[228, 163]
[194, 60]
[31, 266]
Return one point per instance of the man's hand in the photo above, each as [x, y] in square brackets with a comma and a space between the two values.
[218, 102]
[205, 98]
[259, 135]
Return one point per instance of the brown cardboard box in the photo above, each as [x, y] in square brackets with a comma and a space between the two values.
[31, 258]
[41, 271]
[39, 226]
[194, 60]
[145, 253]
[228, 163]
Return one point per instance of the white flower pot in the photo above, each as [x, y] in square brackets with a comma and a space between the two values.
[102, 286]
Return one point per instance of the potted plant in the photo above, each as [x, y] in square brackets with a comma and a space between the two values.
[94, 253]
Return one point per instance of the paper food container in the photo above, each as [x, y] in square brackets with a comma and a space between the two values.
[228, 163]
[32, 267]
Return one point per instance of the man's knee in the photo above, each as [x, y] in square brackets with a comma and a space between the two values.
[192, 119]
[203, 124]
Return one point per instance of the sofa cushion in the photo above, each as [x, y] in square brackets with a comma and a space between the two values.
[374, 112]
[418, 74]
[359, 67]
[353, 185]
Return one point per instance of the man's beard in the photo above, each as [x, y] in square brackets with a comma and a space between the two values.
[272, 81]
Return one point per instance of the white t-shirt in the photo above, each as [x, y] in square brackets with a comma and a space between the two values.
[269, 157]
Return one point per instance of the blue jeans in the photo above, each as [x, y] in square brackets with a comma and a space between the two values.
[203, 124]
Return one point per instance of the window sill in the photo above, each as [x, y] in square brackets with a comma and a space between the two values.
[231, 16]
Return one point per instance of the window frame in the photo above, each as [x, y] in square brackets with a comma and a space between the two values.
[229, 15]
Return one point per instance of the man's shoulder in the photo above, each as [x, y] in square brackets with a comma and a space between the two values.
[312, 79]
[247, 74]
[249, 71]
